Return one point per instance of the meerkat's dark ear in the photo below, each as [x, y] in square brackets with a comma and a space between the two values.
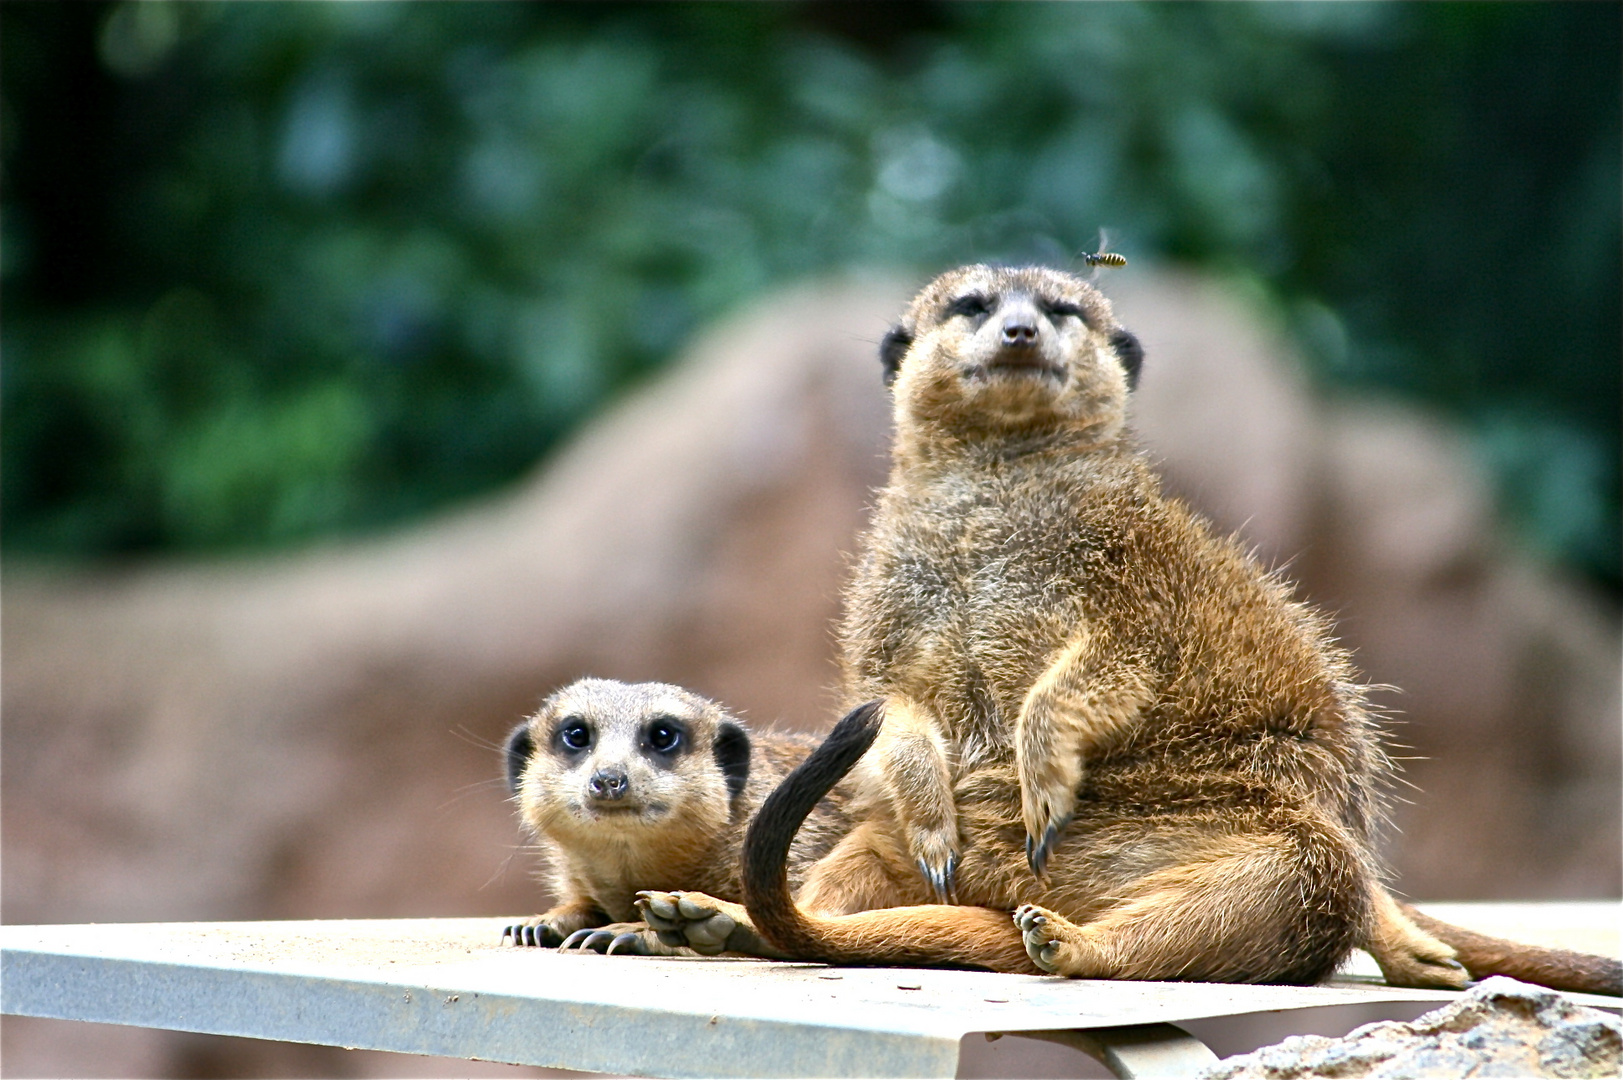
[519, 748]
[733, 756]
[1130, 353]
[892, 347]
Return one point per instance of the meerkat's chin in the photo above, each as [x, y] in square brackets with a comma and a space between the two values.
[629, 817]
[585, 812]
[1014, 394]
[615, 813]
[1027, 369]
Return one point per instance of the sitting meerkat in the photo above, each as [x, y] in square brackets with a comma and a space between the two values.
[1097, 714]
[644, 786]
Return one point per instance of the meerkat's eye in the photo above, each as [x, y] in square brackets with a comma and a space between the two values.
[972, 306]
[664, 736]
[574, 734]
[1060, 308]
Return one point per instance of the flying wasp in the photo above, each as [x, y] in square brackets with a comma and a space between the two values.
[1103, 257]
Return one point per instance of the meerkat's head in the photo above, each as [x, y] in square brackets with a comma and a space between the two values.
[1009, 354]
[602, 757]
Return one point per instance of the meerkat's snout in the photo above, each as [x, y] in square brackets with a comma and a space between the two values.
[1021, 321]
[613, 769]
[608, 785]
[1024, 342]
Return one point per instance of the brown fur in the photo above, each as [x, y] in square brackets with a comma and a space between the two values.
[1560, 969]
[1091, 702]
[679, 820]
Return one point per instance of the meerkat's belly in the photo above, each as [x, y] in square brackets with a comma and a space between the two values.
[969, 616]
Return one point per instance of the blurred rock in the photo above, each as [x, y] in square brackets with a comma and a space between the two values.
[314, 735]
[1500, 1028]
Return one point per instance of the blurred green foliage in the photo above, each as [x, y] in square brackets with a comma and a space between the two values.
[274, 271]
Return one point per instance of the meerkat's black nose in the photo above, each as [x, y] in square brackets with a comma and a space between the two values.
[1020, 329]
[608, 784]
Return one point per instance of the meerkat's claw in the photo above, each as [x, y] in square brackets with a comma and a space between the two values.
[630, 943]
[942, 878]
[579, 939]
[937, 858]
[1037, 852]
[532, 934]
[629, 939]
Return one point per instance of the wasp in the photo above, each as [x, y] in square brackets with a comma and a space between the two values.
[1103, 257]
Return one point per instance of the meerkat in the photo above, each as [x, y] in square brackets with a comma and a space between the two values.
[1087, 709]
[645, 786]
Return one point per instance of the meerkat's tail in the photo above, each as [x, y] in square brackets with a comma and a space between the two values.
[1559, 969]
[766, 846]
[931, 935]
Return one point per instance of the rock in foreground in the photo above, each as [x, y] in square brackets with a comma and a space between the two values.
[1501, 1028]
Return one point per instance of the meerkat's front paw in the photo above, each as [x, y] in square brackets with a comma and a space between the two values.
[539, 931]
[549, 929]
[702, 923]
[1046, 815]
[628, 939]
[936, 853]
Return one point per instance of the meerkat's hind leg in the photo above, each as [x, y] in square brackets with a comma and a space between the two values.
[867, 869]
[1407, 955]
[1059, 946]
[704, 924]
[1254, 909]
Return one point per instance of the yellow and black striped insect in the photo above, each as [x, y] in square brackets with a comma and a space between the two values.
[1104, 256]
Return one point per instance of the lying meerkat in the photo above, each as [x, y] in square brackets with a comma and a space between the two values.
[1095, 710]
[645, 786]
